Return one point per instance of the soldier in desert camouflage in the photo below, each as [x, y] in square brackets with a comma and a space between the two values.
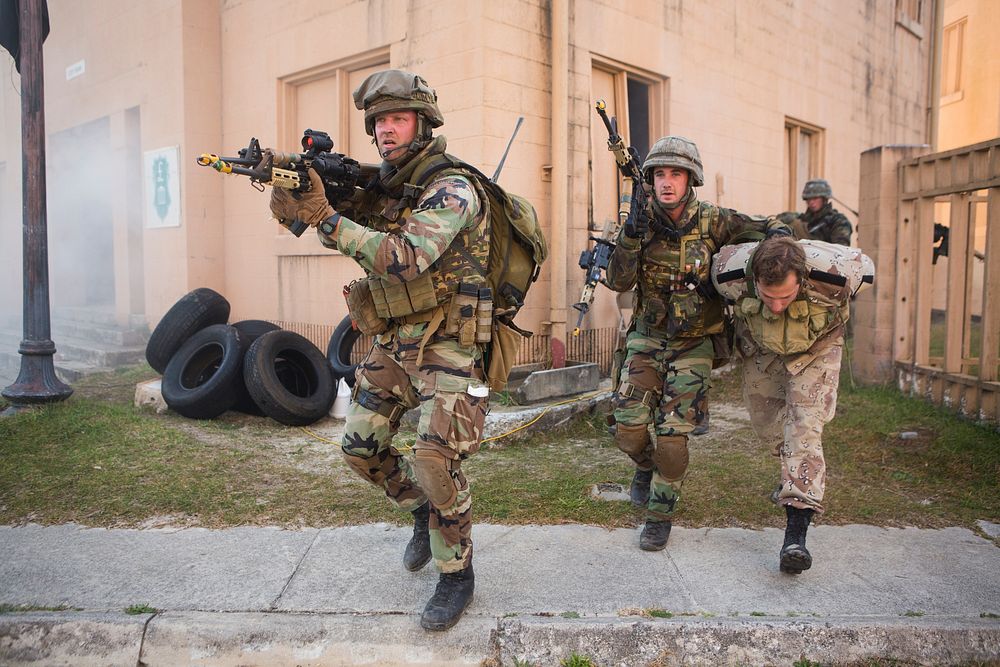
[791, 306]
[820, 221]
[421, 233]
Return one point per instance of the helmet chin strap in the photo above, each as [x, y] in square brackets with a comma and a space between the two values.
[680, 202]
[423, 137]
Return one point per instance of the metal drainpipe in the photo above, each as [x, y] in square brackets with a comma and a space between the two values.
[937, 28]
[558, 208]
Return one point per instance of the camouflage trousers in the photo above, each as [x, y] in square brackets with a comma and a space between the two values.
[788, 411]
[449, 391]
[663, 382]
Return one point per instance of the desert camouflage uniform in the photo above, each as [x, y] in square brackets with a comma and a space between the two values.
[791, 373]
[410, 366]
[665, 376]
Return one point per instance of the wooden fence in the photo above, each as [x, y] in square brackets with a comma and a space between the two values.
[949, 357]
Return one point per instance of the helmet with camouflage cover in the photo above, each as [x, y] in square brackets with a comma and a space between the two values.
[674, 151]
[396, 90]
[817, 188]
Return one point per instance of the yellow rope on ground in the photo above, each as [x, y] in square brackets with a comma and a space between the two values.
[495, 437]
[541, 414]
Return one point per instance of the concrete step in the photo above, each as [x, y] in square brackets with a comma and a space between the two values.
[90, 355]
[104, 316]
[108, 334]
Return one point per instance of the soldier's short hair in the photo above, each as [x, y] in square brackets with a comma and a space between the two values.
[776, 257]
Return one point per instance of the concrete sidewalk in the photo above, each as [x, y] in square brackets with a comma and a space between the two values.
[341, 596]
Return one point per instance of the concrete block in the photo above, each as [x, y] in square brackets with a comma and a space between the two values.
[555, 382]
[148, 393]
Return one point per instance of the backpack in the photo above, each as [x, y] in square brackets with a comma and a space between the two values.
[517, 245]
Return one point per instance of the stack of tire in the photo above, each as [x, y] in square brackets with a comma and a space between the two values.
[252, 366]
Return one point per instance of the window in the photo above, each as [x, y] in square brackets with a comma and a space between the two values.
[908, 16]
[803, 158]
[320, 99]
[636, 100]
[952, 43]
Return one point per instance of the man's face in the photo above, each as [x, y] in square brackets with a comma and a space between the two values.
[778, 297]
[394, 131]
[814, 204]
[670, 184]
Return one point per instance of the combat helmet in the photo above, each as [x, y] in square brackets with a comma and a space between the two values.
[817, 188]
[674, 151]
[396, 90]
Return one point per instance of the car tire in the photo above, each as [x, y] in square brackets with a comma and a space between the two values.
[193, 312]
[200, 382]
[288, 378]
[251, 331]
[338, 351]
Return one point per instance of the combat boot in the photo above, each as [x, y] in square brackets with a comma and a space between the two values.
[639, 489]
[452, 595]
[654, 535]
[794, 555]
[418, 550]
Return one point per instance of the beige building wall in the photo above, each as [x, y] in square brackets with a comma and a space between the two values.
[206, 76]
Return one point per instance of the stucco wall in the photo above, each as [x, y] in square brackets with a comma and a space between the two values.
[206, 76]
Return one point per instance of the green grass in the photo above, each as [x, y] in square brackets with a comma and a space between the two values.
[96, 460]
[14, 608]
[660, 613]
[136, 609]
[576, 660]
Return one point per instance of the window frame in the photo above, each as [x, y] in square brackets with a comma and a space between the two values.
[817, 157]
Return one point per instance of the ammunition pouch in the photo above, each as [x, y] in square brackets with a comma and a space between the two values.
[397, 300]
[461, 318]
[361, 307]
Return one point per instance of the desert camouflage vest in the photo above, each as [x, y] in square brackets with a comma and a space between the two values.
[667, 304]
[466, 258]
[808, 318]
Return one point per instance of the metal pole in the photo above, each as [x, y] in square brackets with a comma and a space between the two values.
[36, 382]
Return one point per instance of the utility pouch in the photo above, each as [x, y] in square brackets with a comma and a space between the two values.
[484, 316]
[361, 307]
[684, 313]
[461, 319]
[402, 299]
[503, 352]
[653, 311]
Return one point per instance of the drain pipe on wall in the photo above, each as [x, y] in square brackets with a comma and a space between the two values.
[937, 30]
[558, 203]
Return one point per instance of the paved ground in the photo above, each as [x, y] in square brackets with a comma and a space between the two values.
[341, 596]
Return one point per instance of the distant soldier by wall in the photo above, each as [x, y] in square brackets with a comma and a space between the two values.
[820, 221]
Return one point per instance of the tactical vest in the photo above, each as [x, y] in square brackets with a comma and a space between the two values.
[835, 273]
[798, 327]
[669, 303]
[464, 261]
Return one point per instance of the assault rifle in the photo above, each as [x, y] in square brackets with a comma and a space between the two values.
[594, 261]
[339, 173]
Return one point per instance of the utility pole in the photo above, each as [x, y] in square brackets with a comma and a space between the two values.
[36, 382]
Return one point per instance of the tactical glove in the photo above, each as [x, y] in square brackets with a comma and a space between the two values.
[310, 207]
[637, 222]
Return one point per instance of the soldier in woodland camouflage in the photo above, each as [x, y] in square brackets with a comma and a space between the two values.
[791, 310]
[420, 233]
[665, 250]
[820, 221]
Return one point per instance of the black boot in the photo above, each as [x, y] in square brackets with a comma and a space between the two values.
[418, 550]
[452, 595]
[639, 489]
[654, 535]
[794, 555]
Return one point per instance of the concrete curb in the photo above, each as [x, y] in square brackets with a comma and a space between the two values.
[271, 638]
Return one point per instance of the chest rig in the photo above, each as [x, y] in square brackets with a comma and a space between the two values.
[671, 271]
[820, 309]
[385, 208]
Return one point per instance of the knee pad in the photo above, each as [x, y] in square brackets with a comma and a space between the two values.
[433, 473]
[368, 467]
[632, 438]
[671, 456]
